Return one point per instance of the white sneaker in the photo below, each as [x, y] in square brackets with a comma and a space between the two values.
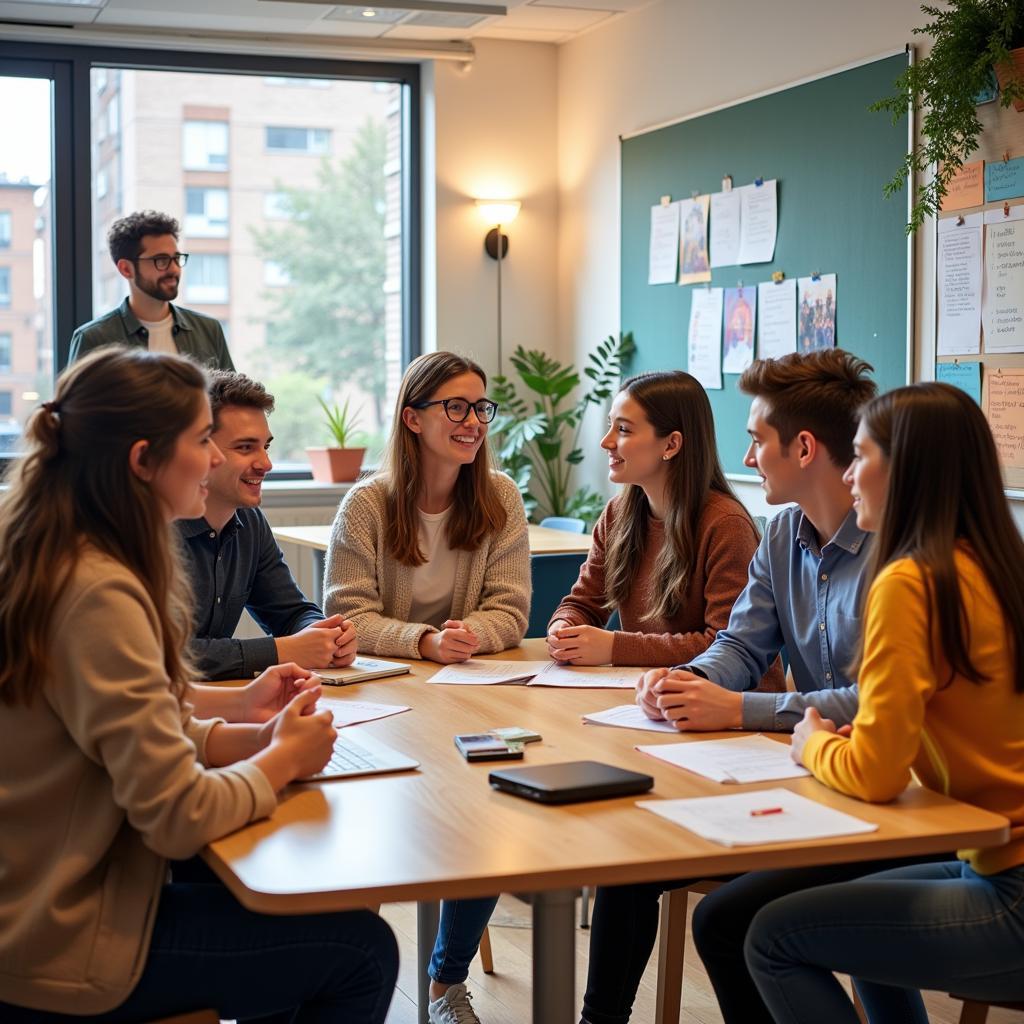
[453, 1008]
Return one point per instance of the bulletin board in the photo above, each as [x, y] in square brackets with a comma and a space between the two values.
[1002, 372]
[831, 157]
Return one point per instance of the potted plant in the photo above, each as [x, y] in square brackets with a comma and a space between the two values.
[538, 441]
[338, 463]
[970, 38]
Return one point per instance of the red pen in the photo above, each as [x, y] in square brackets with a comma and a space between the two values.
[760, 812]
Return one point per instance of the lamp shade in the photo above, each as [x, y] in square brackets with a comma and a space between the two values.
[498, 211]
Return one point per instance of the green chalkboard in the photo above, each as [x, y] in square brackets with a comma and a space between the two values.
[831, 157]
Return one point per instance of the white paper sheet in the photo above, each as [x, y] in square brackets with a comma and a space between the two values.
[733, 821]
[600, 677]
[744, 759]
[758, 222]
[704, 340]
[958, 280]
[628, 716]
[664, 249]
[725, 228]
[477, 672]
[776, 318]
[1002, 307]
[352, 712]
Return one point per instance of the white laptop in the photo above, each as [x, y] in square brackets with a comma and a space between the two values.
[362, 670]
[356, 753]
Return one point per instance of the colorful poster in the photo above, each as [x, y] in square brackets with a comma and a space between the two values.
[958, 279]
[694, 265]
[740, 316]
[776, 318]
[759, 222]
[816, 315]
[965, 376]
[664, 247]
[1002, 307]
[967, 188]
[704, 342]
[725, 229]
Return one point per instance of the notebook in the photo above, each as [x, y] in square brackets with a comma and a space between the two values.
[362, 670]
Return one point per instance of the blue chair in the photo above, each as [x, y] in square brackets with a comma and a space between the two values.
[567, 523]
[552, 577]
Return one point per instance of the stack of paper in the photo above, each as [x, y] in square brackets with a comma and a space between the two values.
[478, 672]
[745, 759]
[750, 819]
[604, 677]
[352, 712]
[628, 716]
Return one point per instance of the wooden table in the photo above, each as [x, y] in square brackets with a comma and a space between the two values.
[443, 832]
[543, 541]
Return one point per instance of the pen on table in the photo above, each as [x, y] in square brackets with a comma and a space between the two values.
[761, 811]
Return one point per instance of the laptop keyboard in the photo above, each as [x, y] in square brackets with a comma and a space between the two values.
[349, 757]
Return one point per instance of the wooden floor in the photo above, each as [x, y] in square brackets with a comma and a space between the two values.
[504, 997]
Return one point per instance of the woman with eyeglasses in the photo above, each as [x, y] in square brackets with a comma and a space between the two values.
[430, 558]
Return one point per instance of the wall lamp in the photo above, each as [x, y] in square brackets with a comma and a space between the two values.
[497, 213]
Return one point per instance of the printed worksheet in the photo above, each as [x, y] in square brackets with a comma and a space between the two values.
[628, 716]
[353, 712]
[744, 759]
[477, 672]
[590, 677]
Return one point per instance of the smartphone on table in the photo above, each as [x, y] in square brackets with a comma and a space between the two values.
[485, 747]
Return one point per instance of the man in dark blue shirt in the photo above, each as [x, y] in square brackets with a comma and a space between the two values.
[235, 562]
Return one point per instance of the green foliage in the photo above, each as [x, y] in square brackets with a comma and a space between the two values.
[537, 439]
[294, 419]
[969, 38]
[340, 422]
[328, 321]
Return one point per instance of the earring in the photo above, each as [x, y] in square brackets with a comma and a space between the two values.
[664, 458]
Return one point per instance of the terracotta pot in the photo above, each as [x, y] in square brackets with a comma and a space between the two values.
[1006, 73]
[335, 465]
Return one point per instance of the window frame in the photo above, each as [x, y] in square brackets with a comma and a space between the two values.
[69, 68]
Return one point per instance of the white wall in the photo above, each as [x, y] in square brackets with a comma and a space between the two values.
[670, 59]
[495, 136]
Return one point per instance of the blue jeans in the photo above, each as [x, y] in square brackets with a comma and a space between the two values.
[209, 952]
[927, 926]
[458, 938]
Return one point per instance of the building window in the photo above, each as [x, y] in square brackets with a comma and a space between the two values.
[207, 278]
[5, 286]
[275, 275]
[297, 140]
[5, 229]
[206, 212]
[5, 353]
[6, 403]
[206, 146]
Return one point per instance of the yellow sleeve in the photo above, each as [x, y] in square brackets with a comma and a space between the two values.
[897, 679]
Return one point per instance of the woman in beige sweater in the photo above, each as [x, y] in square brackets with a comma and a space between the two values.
[106, 771]
[430, 559]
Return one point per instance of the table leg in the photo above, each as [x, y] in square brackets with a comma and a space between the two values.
[319, 561]
[428, 917]
[554, 957]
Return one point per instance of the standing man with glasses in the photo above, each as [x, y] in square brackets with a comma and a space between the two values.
[144, 248]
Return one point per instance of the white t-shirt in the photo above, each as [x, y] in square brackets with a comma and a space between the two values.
[161, 334]
[433, 583]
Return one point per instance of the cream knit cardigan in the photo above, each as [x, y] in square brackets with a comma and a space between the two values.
[365, 584]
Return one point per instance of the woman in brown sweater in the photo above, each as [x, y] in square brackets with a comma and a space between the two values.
[106, 772]
[670, 552]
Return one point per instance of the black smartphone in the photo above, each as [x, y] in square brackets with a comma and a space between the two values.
[485, 747]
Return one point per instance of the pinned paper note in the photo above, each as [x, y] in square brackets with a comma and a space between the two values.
[776, 318]
[704, 340]
[759, 221]
[740, 314]
[694, 265]
[1002, 307]
[965, 376]
[1004, 179]
[816, 315]
[967, 187]
[725, 229]
[1004, 407]
[958, 280]
[664, 248]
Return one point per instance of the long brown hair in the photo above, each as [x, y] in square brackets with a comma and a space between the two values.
[478, 511]
[74, 485]
[945, 486]
[671, 400]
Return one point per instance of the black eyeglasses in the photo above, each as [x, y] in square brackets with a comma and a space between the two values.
[163, 261]
[457, 409]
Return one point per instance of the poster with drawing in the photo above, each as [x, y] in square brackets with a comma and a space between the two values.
[740, 316]
[816, 315]
[694, 265]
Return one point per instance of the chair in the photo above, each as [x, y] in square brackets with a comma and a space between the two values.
[975, 1011]
[567, 523]
[552, 577]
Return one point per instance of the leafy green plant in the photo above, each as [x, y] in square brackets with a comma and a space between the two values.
[969, 39]
[537, 437]
[341, 423]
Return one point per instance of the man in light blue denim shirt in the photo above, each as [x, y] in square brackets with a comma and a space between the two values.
[803, 592]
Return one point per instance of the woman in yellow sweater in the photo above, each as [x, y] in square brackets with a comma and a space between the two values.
[107, 768]
[941, 694]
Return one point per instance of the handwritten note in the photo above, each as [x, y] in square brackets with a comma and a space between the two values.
[725, 229]
[759, 222]
[1004, 179]
[664, 248]
[776, 318]
[1004, 406]
[965, 376]
[959, 285]
[1002, 308]
[966, 189]
[704, 340]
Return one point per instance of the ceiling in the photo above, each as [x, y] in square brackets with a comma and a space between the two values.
[549, 21]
